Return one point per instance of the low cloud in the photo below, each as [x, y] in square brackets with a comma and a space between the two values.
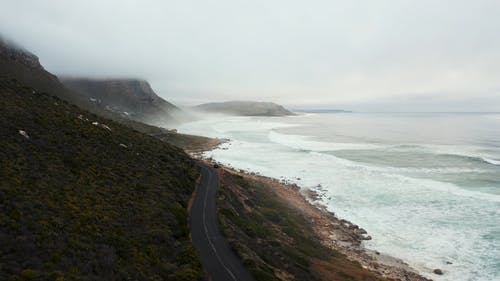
[319, 53]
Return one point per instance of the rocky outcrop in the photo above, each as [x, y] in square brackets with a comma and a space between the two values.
[438, 271]
[245, 108]
[9, 50]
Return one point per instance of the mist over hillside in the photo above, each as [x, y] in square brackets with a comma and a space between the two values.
[130, 98]
[124, 100]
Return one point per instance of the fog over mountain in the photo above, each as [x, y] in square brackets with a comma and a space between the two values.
[360, 55]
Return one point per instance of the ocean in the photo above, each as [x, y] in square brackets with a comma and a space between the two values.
[426, 186]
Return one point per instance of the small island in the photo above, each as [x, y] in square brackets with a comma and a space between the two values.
[245, 108]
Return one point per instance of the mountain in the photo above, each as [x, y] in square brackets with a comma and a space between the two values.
[23, 66]
[245, 108]
[109, 98]
[84, 197]
[130, 98]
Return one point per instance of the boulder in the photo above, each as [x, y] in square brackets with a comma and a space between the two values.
[438, 271]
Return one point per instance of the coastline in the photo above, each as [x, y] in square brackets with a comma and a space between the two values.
[335, 233]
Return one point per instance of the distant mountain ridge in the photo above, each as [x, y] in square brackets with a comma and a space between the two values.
[245, 108]
[131, 98]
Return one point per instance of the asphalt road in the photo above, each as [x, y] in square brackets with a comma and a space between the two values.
[219, 261]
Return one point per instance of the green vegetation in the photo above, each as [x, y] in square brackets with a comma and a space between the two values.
[189, 142]
[186, 142]
[257, 234]
[79, 201]
[275, 240]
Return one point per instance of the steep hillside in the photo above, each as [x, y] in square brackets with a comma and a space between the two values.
[245, 108]
[130, 98]
[85, 198]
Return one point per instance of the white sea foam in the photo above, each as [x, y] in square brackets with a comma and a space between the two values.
[470, 151]
[307, 143]
[388, 173]
[246, 124]
[425, 221]
[405, 225]
[491, 161]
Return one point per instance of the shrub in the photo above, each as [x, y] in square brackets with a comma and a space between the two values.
[28, 274]
[187, 274]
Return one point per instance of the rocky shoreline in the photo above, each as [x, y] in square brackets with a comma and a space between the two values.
[335, 233]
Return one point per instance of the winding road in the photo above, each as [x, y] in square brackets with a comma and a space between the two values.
[219, 261]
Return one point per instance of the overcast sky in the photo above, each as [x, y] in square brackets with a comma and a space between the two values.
[421, 55]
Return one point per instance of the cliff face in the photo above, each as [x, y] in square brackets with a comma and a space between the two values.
[24, 67]
[245, 108]
[132, 98]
